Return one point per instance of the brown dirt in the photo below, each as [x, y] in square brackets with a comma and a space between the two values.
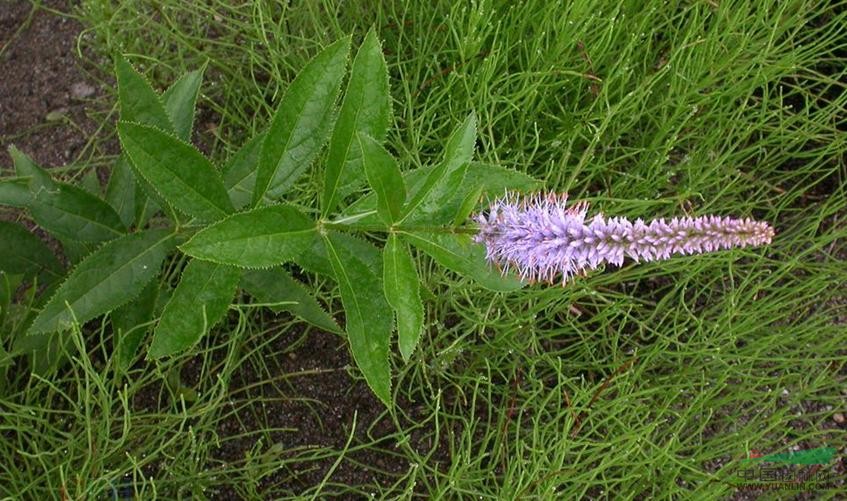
[43, 91]
[311, 411]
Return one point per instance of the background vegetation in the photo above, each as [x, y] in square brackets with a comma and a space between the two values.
[648, 380]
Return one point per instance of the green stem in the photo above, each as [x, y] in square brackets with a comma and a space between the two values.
[395, 229]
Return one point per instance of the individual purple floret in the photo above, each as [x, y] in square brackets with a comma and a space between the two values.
[542, 238]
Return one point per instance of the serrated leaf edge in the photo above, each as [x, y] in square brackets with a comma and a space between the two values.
[202, 72]
[216, 170]
[230, 216]
[150, 85]
[390, 117]
[74, 269]
[256, 201]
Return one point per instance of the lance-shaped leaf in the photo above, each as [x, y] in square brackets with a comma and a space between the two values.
[74, 214]
[46, 352]
[385, 179]
[368, 315]
[8, 285]
[467, 206]
[276, 286]
[180, 99]
[180, 173]
[200, 300]
[138, 101]
[460, 254]
[91, 183]
[14, 192]
[25, 167]
[258, 238]
[314, 258]
[62, 209]
[240, 172]
[104, 280]
[24, 253]
[121, 190]
[141, 104]
[486, 178]
[131, 322]
[366, 109]
[74, 251]
[441, 183]
[402, 290]
[301, 123]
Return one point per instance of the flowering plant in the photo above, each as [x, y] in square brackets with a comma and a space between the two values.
[231, 229]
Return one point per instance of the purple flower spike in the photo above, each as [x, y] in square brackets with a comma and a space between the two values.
[542, 238]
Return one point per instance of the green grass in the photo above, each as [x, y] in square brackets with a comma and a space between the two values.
[653, 380]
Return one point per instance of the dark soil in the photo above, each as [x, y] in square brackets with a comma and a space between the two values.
[43, 91]
[309, 396]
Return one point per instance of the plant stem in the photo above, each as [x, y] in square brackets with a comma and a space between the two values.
[396, 229]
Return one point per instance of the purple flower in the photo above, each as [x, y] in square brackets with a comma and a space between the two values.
[542, 238]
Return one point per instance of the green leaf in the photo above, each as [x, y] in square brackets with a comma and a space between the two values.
[180, 100]
[46, 351]
[8, 286]
[104, 280]
[14, 192]
[147, 201]
[141, 104]
[460, 254]
[467, 206]
[72, 213]
[240, 172]
[443, 202]
[138, 101]
[461, 144]
[385, 179]
[368, 315]
[314, 257]
[24, 253]
[131, 322]
[25, 167]
[402, 290]
[432, 200]
[121, 190]
[493, 179]
[91, 183]
[198, 303]
[366, 109]
[74, 251]
[258, 238]
[180, 173]
[301, 123]
[276, 286]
